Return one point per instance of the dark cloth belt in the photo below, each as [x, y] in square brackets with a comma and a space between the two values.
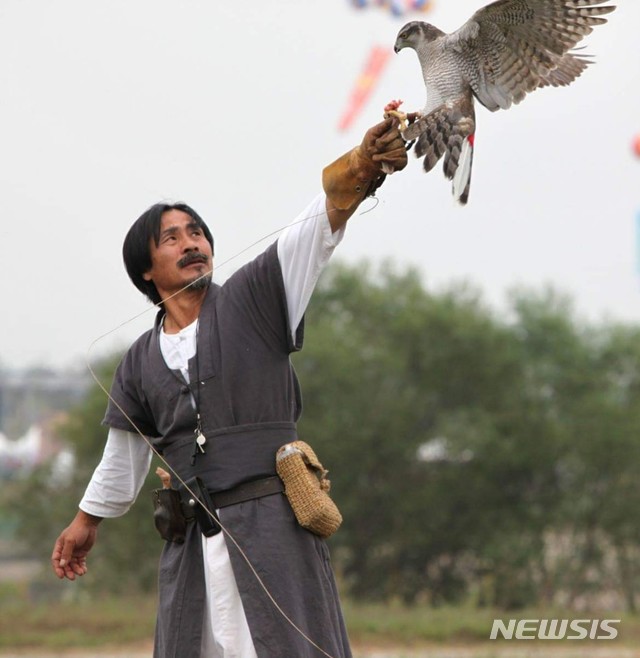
[247, 491]
[234, 455]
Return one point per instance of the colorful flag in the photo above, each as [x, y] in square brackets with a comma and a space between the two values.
[365, 84]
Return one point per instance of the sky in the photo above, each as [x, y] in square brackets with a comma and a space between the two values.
[109, 106]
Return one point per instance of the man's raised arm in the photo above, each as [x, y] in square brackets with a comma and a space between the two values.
[359, 172]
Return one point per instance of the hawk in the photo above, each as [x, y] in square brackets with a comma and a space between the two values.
[503, 52]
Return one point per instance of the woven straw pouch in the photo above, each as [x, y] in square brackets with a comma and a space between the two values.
[307, 488]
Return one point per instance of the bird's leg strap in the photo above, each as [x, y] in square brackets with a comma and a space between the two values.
[392, 110]
[401, 116]
[404, 119]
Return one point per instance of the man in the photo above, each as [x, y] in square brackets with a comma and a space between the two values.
[212, 387]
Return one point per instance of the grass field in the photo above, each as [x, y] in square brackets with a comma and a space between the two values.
[427, 651]
[123, 628]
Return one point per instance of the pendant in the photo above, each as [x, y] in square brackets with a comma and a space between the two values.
[201, 439]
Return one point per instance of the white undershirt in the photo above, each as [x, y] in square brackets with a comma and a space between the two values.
[304, 249]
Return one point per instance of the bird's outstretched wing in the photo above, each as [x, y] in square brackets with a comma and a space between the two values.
[512, 47]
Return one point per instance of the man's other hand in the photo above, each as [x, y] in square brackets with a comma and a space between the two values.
[69, 557]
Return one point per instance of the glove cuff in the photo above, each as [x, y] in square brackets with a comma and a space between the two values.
[350, 179]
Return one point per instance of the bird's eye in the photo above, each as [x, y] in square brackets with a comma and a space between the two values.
[403, 35]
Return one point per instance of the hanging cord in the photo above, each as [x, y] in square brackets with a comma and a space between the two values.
[210, 513]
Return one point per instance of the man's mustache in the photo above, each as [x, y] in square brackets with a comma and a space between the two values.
[192, 257]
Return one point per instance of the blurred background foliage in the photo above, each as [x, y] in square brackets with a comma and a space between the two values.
[476, 457]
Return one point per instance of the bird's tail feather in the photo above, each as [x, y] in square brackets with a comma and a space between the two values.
[462, 176]
[431, 134]
[448, 130]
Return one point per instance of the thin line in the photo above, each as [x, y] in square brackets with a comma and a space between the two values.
[203, 276]
[211, 271]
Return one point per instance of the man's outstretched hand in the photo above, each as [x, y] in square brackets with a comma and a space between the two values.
[69, 557]
[359, 172]
[383, 149]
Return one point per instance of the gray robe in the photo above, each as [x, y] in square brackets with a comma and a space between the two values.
[249, 401]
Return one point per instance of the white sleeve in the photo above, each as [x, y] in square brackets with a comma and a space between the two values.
[119, 476]
[304, 248]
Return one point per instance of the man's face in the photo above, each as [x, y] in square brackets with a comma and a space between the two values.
[182, 255]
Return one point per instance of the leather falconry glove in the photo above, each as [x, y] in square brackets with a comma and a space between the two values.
[360, 172]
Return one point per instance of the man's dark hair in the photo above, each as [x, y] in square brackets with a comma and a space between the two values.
[136, 250]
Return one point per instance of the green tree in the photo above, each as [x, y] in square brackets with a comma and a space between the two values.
[535, 419]
[389, 367]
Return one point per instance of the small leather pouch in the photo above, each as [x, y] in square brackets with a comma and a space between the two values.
[168, 516]
[307, 488]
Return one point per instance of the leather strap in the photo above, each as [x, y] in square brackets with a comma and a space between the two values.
[247, 491]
